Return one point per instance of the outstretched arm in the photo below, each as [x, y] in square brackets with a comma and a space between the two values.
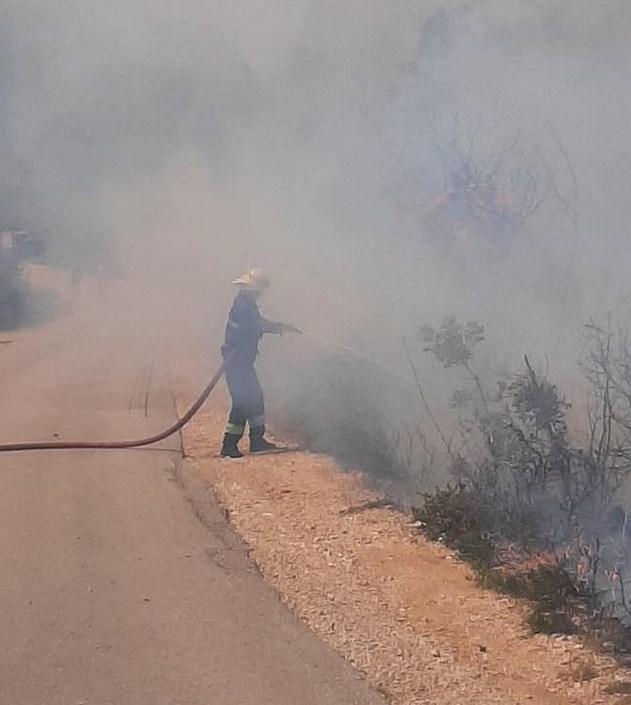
[277, 328]
[271, 327]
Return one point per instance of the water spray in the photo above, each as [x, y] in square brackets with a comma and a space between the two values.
[354, 352]
[392, 371]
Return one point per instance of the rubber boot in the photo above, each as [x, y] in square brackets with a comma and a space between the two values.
[258, 442]
[230, 447]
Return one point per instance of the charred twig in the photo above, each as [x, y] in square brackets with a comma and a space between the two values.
[148, 388]
[476, 380]
[423, 398]
[371, 504]
[570, 208]
[135, 387]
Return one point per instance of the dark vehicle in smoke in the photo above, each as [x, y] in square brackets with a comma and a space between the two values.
[15, 248]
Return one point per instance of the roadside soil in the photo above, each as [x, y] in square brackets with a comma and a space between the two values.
[403, 611]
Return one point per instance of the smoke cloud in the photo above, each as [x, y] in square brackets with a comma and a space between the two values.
[184, 142]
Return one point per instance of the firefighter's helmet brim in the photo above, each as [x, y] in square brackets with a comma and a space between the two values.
[254, 280]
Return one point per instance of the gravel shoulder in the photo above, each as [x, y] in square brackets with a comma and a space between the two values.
[403, 611]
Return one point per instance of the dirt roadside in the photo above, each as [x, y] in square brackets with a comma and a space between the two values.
[404, 612]
[115, 590]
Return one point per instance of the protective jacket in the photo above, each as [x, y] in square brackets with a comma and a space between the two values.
[244, 330]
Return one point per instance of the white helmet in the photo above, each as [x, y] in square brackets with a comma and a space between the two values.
[254, 280]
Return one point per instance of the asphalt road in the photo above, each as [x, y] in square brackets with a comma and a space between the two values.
[120, 581]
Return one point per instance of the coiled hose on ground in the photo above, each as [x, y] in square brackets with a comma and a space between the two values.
[118, 445]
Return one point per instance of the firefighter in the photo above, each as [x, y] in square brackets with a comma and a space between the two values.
[244, 330]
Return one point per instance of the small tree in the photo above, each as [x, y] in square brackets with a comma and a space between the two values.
[453, 345]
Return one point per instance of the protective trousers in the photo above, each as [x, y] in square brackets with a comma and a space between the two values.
[246, 394]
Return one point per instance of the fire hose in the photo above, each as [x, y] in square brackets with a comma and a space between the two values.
[132, 443]
[174, 428]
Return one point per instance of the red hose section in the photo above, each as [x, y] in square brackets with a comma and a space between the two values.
[133, 443]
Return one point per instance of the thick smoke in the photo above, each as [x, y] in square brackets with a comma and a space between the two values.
[182, 143]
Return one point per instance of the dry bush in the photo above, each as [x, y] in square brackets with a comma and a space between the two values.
[523, 482]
